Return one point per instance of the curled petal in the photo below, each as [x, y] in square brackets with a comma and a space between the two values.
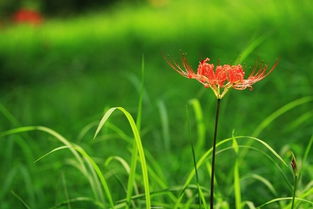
[187, 67]
[221, 74]
[259, 75]
[243, 85]
[236, 74]
[262, 73]
[254, 77]
[186, 71]
[206, 70]
[223, 77]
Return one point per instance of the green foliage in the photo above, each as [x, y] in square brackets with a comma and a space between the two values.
[64, 73]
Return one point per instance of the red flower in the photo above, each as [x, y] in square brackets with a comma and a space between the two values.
[27, 16]
[223, 77]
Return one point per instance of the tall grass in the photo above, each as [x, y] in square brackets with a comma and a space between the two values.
[62, 73]
[83, 159]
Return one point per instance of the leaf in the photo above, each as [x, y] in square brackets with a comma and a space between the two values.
[138, 144]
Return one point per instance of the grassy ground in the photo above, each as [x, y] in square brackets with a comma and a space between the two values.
[65, 73]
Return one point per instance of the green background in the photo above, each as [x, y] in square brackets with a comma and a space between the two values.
[64, 73]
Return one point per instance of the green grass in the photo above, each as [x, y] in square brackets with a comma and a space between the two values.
[60, 77]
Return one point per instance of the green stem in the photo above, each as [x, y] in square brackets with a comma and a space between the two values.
[213, 153]
[196, 171]
[294, 190]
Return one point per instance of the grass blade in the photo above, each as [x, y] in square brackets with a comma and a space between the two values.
[125, 166]
[200, 194]
[139, 109]
[308, 149]
[103, 120]
[237, 190]
[267, 156]
[8, 115]
[65, 191]
[138, 144]
[62, 140]
[50, 152]
[206, 155]
[282, 199]
[268, 120]
[196, 106]
[46, 130]
[133, 164]
[249, 49]
[20, 199]
[78, 200]
[275, 115]
[250, 205]
[132, 173]
[165, 125]
[85, 130]
[280, 112]
[266, 182]
[96, 168]
[120, 160]
[298, 121]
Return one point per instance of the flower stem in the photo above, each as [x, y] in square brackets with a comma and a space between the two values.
[294, 190]
[213, 153]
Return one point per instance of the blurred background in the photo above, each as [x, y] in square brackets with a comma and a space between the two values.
[63, 62]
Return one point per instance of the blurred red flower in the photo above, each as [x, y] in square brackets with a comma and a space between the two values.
[223, 77]
[27, 16]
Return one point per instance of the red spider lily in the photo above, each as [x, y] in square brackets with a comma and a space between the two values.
[27, 16]
[224, 77]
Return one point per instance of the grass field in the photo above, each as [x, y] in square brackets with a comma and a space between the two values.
[59, 79]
